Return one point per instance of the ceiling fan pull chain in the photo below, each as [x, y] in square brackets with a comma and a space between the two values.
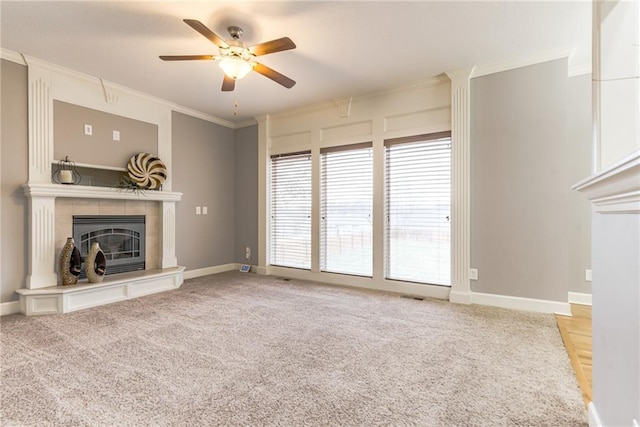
[235, 107]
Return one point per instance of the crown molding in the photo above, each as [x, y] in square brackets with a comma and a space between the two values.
[406, 87]
[12, 56]
[112, 89]
[200, 115]
[245, 123]
[523, 61]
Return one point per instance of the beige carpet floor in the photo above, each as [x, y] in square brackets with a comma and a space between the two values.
[233, 349]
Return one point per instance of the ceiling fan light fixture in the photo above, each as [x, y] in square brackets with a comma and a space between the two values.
[235, 68]
[236, 59]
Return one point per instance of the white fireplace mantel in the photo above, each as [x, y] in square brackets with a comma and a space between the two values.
[42, 296]
[42, 208]
[88, 192]
[615, 189]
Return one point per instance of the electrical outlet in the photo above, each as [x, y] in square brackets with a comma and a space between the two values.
[473, 274]
[247, 253]
[198, 210]
[116, 135]
[205, 210]
[587, 275]
[88, 130]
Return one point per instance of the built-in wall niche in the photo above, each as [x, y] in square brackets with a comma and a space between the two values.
[88, 137]
[99, 177]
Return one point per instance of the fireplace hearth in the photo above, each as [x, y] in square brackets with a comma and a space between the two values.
[121, 238]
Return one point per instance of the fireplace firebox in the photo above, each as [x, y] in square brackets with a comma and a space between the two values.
[121, 238]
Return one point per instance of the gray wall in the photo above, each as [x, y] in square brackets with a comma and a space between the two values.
[246, 200]
[522, 169]
[14, 173]
[203, 169]
[69, 138]
[616, 318]
[579, 140]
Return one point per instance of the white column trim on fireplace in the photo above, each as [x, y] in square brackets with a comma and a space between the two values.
[168, 237]
[41, 242]
[40, 112]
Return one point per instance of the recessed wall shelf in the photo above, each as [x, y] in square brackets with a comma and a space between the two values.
[90, 166]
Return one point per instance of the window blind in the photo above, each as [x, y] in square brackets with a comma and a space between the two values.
[291, 210]
[418, 209]
[346, 209]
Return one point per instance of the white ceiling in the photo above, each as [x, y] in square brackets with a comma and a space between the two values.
[344, 48]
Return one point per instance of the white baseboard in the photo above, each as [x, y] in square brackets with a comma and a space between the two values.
[460, 297]
[398, 287]
[579, 298]
[594, 419]
[262, 271]
[519, 303]
[10, 307]
[191, 274]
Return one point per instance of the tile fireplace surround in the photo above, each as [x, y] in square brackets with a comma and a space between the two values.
[51, 209]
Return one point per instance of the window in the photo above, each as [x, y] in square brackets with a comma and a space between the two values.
[346, 209]
[418, 209]
[291, 210]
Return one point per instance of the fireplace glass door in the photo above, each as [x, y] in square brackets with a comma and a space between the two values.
[121, 238]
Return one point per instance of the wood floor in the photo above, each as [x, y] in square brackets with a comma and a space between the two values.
[576, 334]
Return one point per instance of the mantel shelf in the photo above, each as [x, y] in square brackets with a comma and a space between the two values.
[88, 192]
[616, 188]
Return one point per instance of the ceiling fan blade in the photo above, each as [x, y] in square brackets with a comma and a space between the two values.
[185, 57]
[278, 45]
[274, 75]
[202, 29]
[228, 84]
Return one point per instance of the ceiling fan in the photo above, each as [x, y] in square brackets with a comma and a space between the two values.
[236, 59]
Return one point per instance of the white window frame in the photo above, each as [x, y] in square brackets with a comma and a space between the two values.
[427, 262]
[338, 165]
[293, 250]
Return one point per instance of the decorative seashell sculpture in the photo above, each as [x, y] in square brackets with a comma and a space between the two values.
[147, 171]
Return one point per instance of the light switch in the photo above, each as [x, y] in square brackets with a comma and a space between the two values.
[204, 210]
[88, 130]
[198, 210]
[116, 135]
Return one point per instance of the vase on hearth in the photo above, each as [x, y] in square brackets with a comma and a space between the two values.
[95, 264]
[70, 263]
